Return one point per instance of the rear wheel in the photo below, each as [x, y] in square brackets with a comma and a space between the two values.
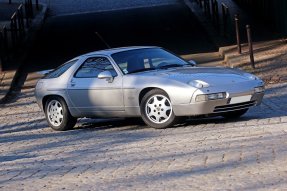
[234, 114]
[156, 109]
[58, 115]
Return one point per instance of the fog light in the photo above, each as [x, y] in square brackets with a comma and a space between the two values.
[259, 89]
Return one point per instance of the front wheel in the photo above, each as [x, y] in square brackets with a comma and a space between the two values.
[156, 109]
[234, 114]
[58, 115]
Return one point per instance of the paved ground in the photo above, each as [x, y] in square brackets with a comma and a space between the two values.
[122, 155]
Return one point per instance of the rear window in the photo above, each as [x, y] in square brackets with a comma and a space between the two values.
[60, 70]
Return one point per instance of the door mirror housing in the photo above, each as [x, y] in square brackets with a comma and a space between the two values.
[106, 75]
[192, 62]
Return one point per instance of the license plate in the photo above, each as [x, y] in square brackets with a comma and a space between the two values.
[240, 99]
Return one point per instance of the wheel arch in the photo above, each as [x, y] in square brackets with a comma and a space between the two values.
[45, 98]
[146, 90]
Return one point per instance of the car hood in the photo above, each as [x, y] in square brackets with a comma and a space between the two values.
[211, 75]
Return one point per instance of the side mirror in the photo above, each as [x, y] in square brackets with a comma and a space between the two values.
[106, 75]
[192, 62]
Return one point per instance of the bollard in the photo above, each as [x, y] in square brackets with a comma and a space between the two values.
[236, 18]
[248, 28]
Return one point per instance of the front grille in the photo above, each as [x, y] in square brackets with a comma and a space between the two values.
[232, 107]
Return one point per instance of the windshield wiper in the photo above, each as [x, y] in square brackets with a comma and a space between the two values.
[142, 70]
[189, 64]
[170, 66]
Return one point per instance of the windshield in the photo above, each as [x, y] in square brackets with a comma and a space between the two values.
[140, 60]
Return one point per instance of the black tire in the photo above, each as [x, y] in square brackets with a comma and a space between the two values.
[234, 114]
[148, 120]
[67, 122]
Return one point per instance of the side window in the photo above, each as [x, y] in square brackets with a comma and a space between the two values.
[93, 66]
[60, 70]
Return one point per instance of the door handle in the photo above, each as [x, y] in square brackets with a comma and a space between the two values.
[72, 83]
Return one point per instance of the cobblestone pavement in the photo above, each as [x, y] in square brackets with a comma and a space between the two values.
[250, 153]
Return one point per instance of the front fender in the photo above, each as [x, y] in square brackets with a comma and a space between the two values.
[178, 92]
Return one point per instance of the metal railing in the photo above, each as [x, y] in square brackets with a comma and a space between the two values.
[12, 35]
[224, 23]
[36, 3]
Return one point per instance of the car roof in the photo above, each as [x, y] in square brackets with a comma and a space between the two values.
[116, 50]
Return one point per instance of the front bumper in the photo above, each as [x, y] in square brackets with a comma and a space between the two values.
[212, 107]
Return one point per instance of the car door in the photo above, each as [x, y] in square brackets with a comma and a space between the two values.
[91, 95]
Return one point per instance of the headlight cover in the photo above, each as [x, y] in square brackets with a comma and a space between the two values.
[206, 97]
[250, 76]
[259, 89]
[198, 84]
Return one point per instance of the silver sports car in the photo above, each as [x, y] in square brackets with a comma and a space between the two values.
[147, 82]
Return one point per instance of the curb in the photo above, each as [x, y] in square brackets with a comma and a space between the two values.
[20, 76]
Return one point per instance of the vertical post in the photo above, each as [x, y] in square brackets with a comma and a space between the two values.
[236, 18]
[208, 8]
[21, 20]
[31, 8]
[27, 13]
[6, 45]
[248, 28]
[5, 39]
[13, 30]
[213, 10]
[37, 5]
[10, 1]
[225, 11]
[204, 6]
[200, 3]
[1, 50]
[216, 12]
[20, 30]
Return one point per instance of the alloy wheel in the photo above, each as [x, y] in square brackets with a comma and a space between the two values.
[158, 109]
